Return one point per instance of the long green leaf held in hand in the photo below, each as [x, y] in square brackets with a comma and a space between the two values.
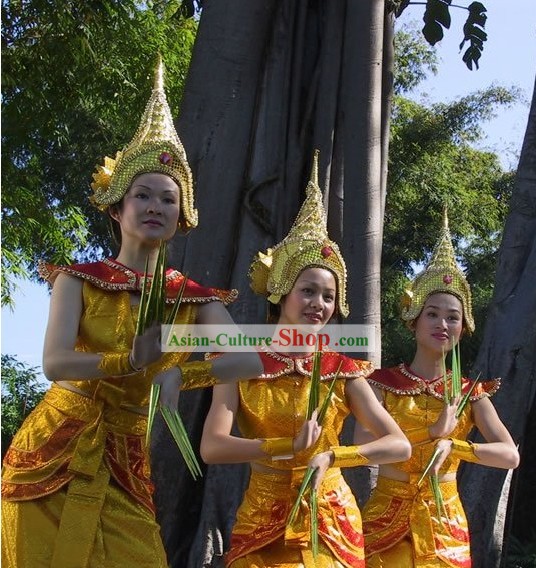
[178, 431]
[466, 398]
[314, 392]
[456, 375]
[313, 507]
[152, 309]
[314, 397]
[446, 396]
[325, 405]
[153, 405]
[301, 492]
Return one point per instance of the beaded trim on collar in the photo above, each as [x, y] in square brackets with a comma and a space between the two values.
[111, 275]
[277, 365]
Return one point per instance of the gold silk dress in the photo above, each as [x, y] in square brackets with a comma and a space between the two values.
[76, 489]
[401, 523]
[274, 406]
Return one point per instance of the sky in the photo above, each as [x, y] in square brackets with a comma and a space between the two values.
[509, 59]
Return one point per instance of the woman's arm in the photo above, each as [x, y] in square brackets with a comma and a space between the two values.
[61, 361]
[230, 367]
[219, 446]
[499, 449]
[361, 434]
[390, 445]
[381, 439]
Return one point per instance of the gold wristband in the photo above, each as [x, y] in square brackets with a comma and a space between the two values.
[116, 364]
[278, 448]
[418, 435]
[197, 375]
[463, 450]
[348, 456]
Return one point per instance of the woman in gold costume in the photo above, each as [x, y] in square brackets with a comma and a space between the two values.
[401, 521]
[305, 276]
[76, 490]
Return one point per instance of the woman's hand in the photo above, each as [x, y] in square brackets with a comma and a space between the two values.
[446, 421]
[444, 446]
[146, 348]
[321, 463]
[308, 434]
[170, 383]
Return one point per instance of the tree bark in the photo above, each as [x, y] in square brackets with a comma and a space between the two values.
[508, 350]
[269, 82]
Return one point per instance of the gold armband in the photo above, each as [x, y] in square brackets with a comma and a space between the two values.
[278, 448]
[463, 450]
[348, 456]
[418, 435]
[116, 364]
[197, 375]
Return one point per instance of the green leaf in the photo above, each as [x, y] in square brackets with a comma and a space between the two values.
[436, 17]
[306, 482]
[313, 506]
[153, 405]
[429, 465]
[327, 400]
[474, 33]
[465, 400]
[314, 389]
[178, 431]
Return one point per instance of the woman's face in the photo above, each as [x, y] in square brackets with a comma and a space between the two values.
[311, 300]
[150, 209]
[439, 323]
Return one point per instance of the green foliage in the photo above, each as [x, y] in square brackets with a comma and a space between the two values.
[21, 392]
[75, 79]
[414, 60]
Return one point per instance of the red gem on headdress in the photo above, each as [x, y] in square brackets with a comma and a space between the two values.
[326, 251]
[165, 158]
[447, 279]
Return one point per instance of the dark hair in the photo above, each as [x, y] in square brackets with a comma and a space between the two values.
[114, 226]
[273, 312]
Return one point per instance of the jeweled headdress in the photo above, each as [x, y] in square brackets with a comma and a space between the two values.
[307, 244]
[441, 275]
[155, 148]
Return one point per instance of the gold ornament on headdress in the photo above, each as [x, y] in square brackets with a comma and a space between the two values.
[442, 275]
[307, 244]
[156, 147]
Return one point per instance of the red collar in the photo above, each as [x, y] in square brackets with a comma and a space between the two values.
[111, 275]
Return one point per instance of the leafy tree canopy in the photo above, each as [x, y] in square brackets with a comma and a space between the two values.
[21, 391]
[75, 79]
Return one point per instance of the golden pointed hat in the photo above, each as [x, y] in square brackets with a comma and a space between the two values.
[156, 147]
[441, 275]
[307, 244]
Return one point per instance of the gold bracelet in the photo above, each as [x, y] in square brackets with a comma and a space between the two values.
[419, 435]
[197, 375]
[348, 456]
[463, 450]
[116, 364]
[278, 448]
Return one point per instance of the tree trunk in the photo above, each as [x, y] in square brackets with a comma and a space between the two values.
[508, 350]
[269, 82]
